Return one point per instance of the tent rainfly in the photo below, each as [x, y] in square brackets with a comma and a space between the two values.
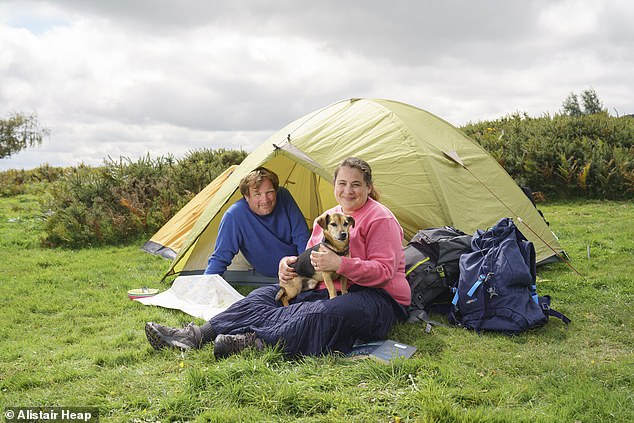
[428, 172]
[169, 239]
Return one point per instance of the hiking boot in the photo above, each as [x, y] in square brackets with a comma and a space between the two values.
[226, 345]
[161, 336]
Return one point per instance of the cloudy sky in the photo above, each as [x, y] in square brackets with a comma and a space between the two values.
[132, 77]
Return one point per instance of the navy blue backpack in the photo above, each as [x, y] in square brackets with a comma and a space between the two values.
[496, 290]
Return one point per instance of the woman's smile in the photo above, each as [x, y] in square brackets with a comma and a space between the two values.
[351, 191]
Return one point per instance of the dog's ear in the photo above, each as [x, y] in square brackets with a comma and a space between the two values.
[350, 221]
[323, 220]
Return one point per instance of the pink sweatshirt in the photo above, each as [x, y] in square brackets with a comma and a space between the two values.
[376, 251]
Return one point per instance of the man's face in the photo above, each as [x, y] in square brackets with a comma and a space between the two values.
[261, 201]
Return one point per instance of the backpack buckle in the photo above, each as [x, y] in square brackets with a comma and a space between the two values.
[440, 269]
[492, 292]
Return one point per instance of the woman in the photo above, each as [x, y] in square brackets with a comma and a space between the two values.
[313, 324]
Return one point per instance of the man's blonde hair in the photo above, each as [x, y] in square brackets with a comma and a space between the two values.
[254, 180]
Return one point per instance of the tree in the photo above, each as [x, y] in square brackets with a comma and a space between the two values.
[571, 106]
[19, 131]
[590, 101]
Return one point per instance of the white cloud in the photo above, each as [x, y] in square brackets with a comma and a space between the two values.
[571, 18]
[159, 76]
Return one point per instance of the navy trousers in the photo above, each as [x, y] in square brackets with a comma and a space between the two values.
[313, 324]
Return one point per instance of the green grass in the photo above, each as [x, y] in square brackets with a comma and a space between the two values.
[69, 336]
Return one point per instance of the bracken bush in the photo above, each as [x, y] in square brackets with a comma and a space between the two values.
[198, 168]
[563, 156]
[124, 200]
[33, 181]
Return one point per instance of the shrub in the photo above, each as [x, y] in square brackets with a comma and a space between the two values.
[124, 200]
[198, 168]
[34, 181]
[588, 155]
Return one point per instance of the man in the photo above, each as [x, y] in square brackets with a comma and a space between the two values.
[265, 225]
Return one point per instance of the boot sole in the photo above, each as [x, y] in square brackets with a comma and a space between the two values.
[226, 345]
[157, 341]
[154, 338]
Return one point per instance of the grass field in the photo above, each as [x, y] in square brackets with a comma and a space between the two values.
[70, 337]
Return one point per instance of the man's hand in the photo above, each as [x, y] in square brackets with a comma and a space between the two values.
[285, 272]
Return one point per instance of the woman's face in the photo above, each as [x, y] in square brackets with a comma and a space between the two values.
[351, 191]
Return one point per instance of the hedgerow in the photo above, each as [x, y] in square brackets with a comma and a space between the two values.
[588, 155]
[124, 199]
[32, 181]
[561, 155]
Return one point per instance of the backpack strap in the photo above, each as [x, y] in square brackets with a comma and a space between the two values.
[544, 303]
[476, 285]
[411, 269]
[422, 316]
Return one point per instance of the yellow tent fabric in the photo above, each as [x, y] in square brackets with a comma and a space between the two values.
[169, 239]
[428, 173]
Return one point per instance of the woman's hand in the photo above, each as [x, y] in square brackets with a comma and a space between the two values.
[285, 272]
[325, 260]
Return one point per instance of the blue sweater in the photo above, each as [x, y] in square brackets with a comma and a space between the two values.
[263, 240]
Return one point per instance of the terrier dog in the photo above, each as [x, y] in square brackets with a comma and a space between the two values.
[336, 228]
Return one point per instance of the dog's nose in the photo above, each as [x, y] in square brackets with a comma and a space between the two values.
[343, 236]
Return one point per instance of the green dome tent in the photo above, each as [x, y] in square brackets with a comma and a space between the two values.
[170, 238]
[428, 173]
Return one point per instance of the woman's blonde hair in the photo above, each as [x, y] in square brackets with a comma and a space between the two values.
[363, 167]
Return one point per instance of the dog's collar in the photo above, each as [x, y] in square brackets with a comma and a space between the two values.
[337, 252]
